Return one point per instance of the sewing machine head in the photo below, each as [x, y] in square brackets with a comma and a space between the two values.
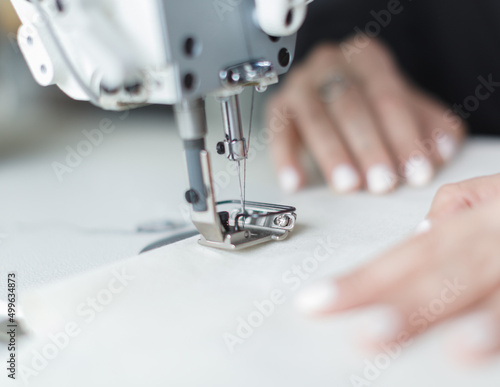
[121, 54]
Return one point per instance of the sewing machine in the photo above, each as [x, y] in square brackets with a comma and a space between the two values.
[122, 54]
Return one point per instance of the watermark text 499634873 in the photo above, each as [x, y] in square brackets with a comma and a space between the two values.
[11, 325]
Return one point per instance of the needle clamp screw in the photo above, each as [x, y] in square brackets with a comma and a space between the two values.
[221, 148]
[192, 196]
[282, 221]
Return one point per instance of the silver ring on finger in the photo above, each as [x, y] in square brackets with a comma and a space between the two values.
[334, 87]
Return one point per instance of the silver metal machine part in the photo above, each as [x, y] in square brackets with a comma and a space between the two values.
[205, 45]
[191, 119]
[261, 223]
[260, 72]
[236, 147]
[208, 222]
[192, 124]
[264, 58]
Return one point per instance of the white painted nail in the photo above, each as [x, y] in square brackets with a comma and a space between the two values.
[289, 180]
[476, 334]
[317, 298]
[345, 178]
[378, 324]
[423, 227]
[419, 171]
[447, 147]
[380, 179]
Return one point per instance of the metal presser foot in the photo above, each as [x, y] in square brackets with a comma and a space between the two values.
[259, 224]
[226, 225]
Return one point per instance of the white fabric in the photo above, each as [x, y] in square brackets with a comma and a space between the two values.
[166, 327]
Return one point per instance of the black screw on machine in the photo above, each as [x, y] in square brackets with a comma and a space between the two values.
[192, 196]
[221, 148]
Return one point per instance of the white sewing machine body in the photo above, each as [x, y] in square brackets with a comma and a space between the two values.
[121, 54]
[173, 49]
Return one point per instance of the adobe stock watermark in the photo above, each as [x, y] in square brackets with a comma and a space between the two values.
[380, 20]
[418, 321]
[222, 7]
[87, 311]
[292, 280]
[76, 155]
[485, 88]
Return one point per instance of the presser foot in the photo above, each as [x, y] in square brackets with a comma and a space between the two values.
[259, 224]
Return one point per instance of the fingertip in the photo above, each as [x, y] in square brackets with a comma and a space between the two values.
[290, 180]
[378, 324]
[419, 172]
[380, 179]
[318, 298]
[447, 147]
[423, 227]
[345, 179]
[473, 338]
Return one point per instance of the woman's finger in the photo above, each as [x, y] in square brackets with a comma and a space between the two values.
[444, 132]
[389, 97]
[321, 138]
[368, 283]
[433, 296]
[350, 112]
[359, 129]
[285, 146]
[476, 335]
[453, 198]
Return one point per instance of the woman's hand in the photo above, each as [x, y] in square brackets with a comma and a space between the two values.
[362, 121]
[451, 270]
[454, 198]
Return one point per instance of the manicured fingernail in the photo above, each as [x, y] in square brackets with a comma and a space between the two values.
[345, 178]
[419, 171]
[423, 227]
[380, 179]
[378, 324]
[447, 147]
[289, 180]
[317, 298]
[475, 335]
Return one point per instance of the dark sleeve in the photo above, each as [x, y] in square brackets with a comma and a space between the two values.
[333, 21]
